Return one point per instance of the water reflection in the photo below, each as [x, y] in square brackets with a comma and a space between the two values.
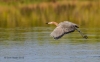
[36, 45]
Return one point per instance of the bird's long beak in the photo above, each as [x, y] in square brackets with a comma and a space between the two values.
[46, 23]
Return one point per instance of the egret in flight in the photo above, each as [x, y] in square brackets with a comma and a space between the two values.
[64, 28]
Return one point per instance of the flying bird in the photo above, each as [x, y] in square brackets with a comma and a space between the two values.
[64, 28]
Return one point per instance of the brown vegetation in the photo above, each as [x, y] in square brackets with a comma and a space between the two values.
[85, 13]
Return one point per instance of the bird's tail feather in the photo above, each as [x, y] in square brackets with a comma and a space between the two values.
[83, 35]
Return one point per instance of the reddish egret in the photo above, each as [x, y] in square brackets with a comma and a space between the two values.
[64, 28]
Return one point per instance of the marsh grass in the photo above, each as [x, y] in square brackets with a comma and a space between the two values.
[27, 13]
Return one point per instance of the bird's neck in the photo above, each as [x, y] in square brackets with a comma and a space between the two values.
[55, 23]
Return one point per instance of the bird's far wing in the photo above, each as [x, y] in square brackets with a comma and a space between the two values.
[68, 27]
[57, 33]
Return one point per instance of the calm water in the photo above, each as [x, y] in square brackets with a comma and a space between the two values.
[35, 45]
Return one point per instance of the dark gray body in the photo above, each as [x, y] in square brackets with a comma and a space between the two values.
[63, 28]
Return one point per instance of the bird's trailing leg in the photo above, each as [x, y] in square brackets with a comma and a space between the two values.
[83, 35]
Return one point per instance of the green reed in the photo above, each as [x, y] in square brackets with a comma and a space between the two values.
[27, 13]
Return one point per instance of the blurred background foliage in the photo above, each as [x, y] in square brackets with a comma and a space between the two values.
[32, 13]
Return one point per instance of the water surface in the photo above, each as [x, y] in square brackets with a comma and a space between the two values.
[36, 45]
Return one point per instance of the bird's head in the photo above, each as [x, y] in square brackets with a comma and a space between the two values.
[50, 23]
[55, 23]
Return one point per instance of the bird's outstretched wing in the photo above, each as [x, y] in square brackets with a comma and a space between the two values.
[57, 33]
